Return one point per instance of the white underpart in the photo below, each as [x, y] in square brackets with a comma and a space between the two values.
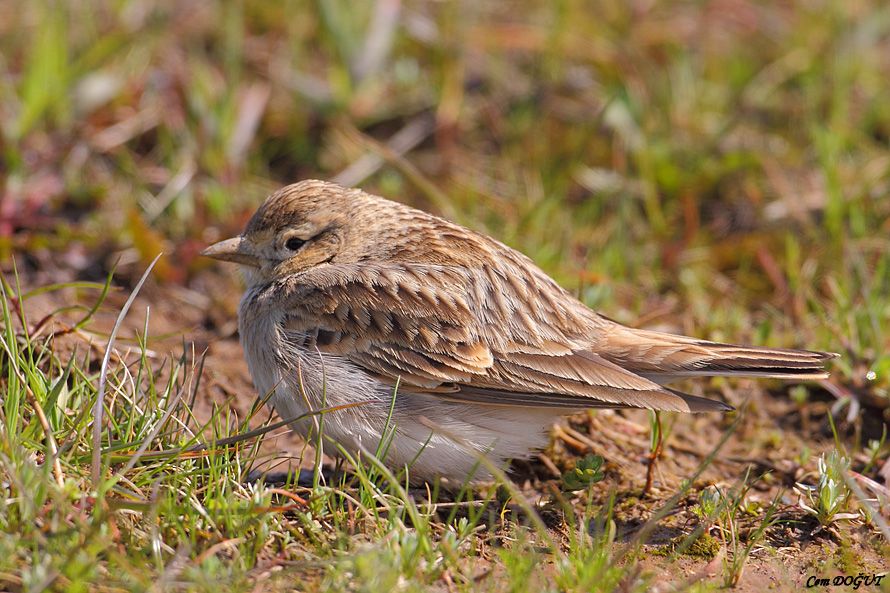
[302, 380]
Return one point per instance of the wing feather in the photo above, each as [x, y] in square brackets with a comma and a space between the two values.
[486, 334]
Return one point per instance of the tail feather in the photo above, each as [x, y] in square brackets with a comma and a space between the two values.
[663, 357]
[680, 402]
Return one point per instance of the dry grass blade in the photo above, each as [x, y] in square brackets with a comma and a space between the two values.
[98, 407]
[143, 447]
[408, 137]
[379, 40]
[51, 445]
[873, 514]
[408, 169]
[143, 453]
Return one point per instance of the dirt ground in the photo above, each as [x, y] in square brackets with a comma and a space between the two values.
[771, 436]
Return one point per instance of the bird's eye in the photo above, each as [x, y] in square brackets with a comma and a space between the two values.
[294, 243]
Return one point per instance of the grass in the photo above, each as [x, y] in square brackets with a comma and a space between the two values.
[719, 169]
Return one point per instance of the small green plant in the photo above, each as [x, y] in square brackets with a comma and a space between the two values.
[709, 502]
[874, 449]
[799, 394]
[587, 472]
[723, 511]
[830, 496]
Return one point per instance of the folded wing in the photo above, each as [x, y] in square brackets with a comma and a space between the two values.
[494, 336]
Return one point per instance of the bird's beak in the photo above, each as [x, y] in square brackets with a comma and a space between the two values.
[235, 250]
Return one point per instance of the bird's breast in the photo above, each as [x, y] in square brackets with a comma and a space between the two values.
[260, 340]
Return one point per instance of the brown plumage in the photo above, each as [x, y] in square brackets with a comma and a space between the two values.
[386, 293]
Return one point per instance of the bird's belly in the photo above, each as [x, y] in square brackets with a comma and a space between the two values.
[302, 380]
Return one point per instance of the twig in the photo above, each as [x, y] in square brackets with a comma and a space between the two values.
[288, 494]
[548, 463]
[217, 547]
[653, 457]
[579, 446]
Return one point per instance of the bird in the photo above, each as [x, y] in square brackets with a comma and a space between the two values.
[371, 322]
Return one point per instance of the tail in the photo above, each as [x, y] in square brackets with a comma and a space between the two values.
[663, 357]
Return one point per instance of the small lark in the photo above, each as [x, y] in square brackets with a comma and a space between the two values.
[352, 298]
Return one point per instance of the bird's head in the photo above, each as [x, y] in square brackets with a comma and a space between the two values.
[310, 223]
[297, 228]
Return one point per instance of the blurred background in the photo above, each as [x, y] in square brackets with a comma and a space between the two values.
[719, 168]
